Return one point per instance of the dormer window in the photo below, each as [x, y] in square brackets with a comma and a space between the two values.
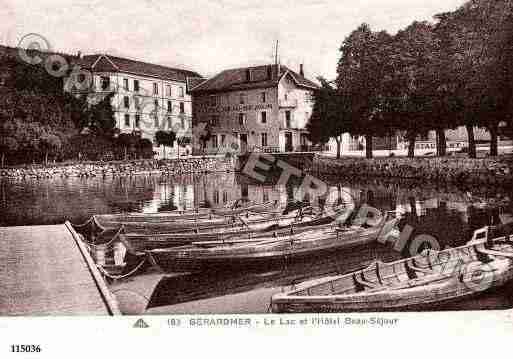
[248, 75]
[105, 82]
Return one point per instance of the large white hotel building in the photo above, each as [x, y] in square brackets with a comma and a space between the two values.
[147, 97]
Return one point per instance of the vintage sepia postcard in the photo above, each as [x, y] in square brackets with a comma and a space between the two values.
[187, 169]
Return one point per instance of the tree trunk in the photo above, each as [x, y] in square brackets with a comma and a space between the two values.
[471, 141]
[368, 146]
[411, 146]
[441, 142]
[413, 206]
[494, 139]
[46, 158]
[338, 146]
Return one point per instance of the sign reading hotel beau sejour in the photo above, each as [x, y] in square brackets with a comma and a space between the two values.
[234, 108]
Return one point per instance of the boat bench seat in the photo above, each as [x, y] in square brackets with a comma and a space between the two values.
[366, 283]
[418, 269]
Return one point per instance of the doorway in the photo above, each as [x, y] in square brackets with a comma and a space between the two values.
[243, 143]
[288, 142]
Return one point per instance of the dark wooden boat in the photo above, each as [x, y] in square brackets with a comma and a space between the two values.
[205, 256]
[433, 278]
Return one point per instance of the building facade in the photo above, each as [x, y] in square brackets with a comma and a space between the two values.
[263, 108]
[147, 97]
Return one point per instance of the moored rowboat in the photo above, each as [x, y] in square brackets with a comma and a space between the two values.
[240, 231]
[413, 283]
[267, 250]
[250, 220]
[177, 217]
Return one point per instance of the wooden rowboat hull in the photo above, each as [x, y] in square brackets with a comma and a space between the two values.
[455, 282]
[178, 216]
[192, 260]
[136, 243]
[431, 298]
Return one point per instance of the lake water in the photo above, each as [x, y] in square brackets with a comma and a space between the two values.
[449, 214]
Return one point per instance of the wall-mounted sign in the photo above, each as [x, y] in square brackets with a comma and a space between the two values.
[234, 108]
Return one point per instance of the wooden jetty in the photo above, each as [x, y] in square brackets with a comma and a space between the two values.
[46, 270]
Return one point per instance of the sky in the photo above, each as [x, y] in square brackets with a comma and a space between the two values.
[210, 36]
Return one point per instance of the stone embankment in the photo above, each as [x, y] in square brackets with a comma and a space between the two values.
[488, 171]
[123, 169]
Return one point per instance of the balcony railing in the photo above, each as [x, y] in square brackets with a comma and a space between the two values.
[288, 103]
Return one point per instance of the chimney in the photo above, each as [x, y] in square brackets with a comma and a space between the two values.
[301, 71]
[248, 75]
[79, 54]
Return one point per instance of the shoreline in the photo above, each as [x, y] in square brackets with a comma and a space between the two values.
[459, 171]
[449, 170]
[190, 165]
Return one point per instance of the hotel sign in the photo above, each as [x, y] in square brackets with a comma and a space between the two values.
[205, 108]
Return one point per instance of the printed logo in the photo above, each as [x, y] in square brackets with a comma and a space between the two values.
[141, 324]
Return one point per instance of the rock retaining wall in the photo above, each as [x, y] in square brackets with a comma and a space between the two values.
[123, 169]
[487, 171]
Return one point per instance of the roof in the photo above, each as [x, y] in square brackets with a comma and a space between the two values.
[108, 63]
[192, 82]
[260, 77]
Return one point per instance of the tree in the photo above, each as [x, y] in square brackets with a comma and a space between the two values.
[165, 138]
[330, 117]
[409, 88]
[34, 109]
[99, 117]
[8, 146]
[49, 144]
[361, 75]
[128, 141]
[205, 135]
[145, 148]
[477, 33]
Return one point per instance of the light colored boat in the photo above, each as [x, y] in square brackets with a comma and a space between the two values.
[240, 231]
[176, 217]
[432, 278]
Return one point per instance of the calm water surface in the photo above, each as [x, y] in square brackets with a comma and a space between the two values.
[447, 213]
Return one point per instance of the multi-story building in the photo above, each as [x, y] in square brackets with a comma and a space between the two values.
[264, 108]
[147, 97]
